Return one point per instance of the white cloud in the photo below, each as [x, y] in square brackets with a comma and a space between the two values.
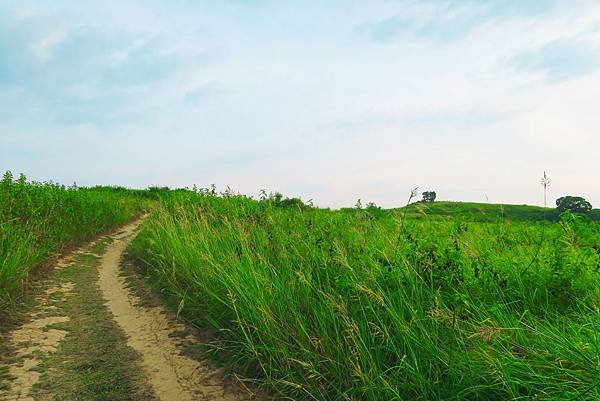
[43, 49]
[296, 97]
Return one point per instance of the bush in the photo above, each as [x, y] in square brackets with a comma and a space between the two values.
[39, 219]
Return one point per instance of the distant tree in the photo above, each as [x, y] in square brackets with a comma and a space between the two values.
[575, 204]
[277, 197]
[289, 202]
[372, 207]
[429, 196]
[278, 200]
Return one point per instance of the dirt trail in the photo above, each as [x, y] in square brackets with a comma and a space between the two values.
[33, 340]
[36, 338]
[85, 313]
[151, 333]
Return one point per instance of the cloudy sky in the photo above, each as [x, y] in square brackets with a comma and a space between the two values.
[329, 100]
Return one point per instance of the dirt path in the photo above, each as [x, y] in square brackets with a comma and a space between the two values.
[36, 338]
[152, 334]
[86, 336]
[33, 340]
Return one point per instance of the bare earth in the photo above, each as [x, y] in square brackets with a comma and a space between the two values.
[35, 339]
[173, 376]
[150, 331]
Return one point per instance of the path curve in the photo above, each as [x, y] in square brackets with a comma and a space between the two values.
[151, 333]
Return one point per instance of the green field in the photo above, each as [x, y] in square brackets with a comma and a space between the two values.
[359, 305]
[444, 301]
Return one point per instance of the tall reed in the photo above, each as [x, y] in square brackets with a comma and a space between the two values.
[39, 219]
[354, 305]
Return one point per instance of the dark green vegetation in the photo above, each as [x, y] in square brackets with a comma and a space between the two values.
[40, 219]
[429, 196]
[380, 305]
[575, 204]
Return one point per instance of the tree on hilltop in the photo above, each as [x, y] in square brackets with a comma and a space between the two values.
[429, 196]
[575, 204]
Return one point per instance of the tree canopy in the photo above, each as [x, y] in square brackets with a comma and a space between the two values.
[429, 196]
[575, 204]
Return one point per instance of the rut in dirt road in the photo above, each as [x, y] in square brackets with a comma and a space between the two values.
[62, 343]
[150, 332]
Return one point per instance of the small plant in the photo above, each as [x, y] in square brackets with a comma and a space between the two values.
[413, 195]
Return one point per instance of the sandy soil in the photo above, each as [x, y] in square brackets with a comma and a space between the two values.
[150, 332]
[33, 340]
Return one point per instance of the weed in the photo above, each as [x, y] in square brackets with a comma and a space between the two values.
[38, 220]
[353, 305]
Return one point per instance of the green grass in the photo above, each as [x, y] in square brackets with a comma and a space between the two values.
[38, 220]
[448, 301]
[361, 305]
[485, 212]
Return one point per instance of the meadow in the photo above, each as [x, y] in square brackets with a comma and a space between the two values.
[367, 304]
[39, 220]
[443, 301]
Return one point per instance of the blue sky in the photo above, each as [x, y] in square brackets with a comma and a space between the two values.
[333, 101]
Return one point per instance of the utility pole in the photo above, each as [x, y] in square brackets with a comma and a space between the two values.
[545, 181]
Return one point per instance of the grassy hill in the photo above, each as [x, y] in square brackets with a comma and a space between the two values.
[490, 212]
[481, 211]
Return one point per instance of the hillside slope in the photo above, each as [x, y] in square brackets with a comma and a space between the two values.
[486, 211]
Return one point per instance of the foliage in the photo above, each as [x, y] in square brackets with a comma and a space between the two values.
[574, 204]
[276, 199]
[354, 305]
[39, 219]
[453, 301]
[429, 196]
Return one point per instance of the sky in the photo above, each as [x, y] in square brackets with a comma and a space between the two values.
[327, 100]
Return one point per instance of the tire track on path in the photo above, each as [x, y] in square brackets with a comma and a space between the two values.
[172, 375]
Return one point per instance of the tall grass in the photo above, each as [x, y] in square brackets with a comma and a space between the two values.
[353, 305]
[39, 219]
